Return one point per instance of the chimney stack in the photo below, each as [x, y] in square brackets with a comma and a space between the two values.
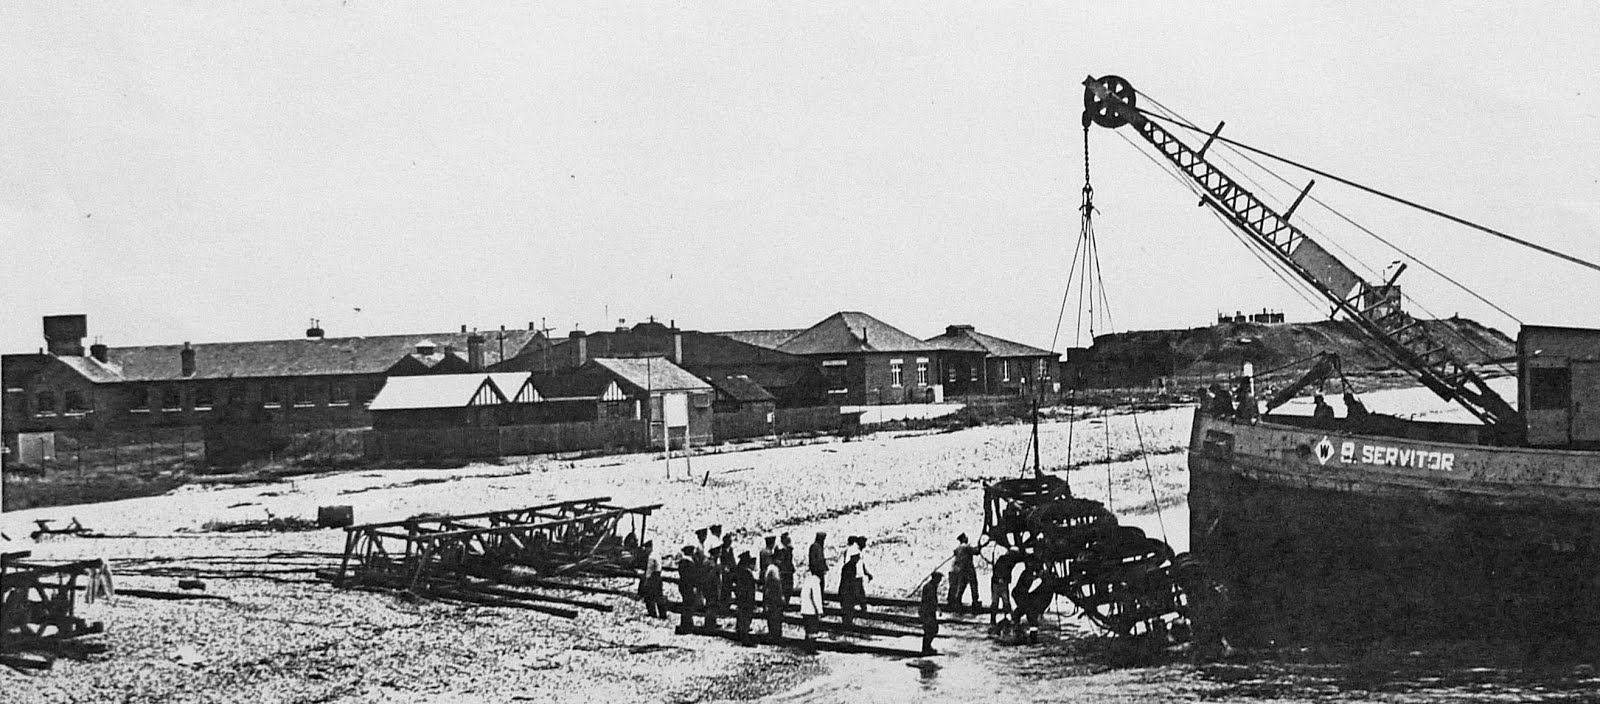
[475, 351]
[677, 347]
[315, 331]
[582, 342]
[98, 351]
[63, 334]
[186, 360]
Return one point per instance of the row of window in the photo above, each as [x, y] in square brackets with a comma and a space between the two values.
[897, 377]
[204, 397]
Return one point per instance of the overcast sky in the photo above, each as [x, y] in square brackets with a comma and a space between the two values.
[207, 172]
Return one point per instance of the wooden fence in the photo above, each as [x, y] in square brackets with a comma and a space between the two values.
[470, 442]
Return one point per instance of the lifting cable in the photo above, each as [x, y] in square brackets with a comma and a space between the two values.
[1382, 194]
[1092, 290]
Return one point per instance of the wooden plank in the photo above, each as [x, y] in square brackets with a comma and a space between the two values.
[835, 646]
[481, 600]
[795, 619]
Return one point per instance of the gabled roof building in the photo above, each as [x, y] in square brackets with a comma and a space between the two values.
[794, 380]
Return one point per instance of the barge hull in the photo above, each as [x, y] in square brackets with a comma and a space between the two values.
[1313, 550]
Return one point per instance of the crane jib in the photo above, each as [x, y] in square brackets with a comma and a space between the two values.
[1111, 102]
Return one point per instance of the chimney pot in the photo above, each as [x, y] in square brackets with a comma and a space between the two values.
[99, 352]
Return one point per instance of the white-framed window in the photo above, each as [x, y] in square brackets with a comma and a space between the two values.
[896, 373]
[1005, 370]
[922, 371]
[1044, 371]
[833, 373]
[339, 394]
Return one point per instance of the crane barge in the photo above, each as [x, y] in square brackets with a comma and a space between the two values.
[1373, 525]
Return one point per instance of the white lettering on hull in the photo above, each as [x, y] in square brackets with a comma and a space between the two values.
[1351, 452]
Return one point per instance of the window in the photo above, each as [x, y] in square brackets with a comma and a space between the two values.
[974, 370]
[137, 399]
[922, 371]
[205, 397]
[1044, 371]
[339, 394]
[271, 396]
[44, 403]
[304, 396]
[171, 399]
[833, 373]
[1549, 388]
[1005, 370]
[77, 403]
[896, 374]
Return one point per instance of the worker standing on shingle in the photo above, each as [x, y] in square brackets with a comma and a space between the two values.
[928, 612]
[767, 554]
[774, 597]
[714, 569]
[811, 607]
[849, 581]
[784, 556]
[689, 580]
[963, 575]
[744, 596]
[650, 582]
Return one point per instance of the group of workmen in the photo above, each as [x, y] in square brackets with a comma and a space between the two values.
[714, 577]
[1243, 406]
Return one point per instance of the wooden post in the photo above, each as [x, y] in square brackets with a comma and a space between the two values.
[687, 467]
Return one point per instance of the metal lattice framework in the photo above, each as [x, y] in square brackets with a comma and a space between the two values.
[470, 557]
[1111, 102]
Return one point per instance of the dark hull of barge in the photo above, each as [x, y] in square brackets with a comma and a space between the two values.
[1392, 529]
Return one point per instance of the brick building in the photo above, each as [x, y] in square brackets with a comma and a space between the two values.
[792, 380]
[864, 360]
[308, 382]
[975, 363]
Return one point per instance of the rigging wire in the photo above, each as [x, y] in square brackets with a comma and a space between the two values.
[1383, 194]
[1488, 357]
[1325, 239]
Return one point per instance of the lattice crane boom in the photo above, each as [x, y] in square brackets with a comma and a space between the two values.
[1111, 102]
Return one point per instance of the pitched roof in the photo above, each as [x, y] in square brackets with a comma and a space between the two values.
[293, 357]
[699, 349]
[652, 373]
[850, 331]
[571, 385]
[964, 338]
[740, 388]
[433, 391]
[770, 339]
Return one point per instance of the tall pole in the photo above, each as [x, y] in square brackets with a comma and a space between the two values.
[1037, 472]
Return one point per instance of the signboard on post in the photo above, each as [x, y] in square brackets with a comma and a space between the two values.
[675, 410]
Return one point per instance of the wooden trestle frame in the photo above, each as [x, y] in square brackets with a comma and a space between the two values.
[38, 602]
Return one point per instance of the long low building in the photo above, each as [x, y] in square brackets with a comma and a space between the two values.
[313, 381]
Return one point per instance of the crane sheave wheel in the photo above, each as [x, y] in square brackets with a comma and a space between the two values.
[1100, 111]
